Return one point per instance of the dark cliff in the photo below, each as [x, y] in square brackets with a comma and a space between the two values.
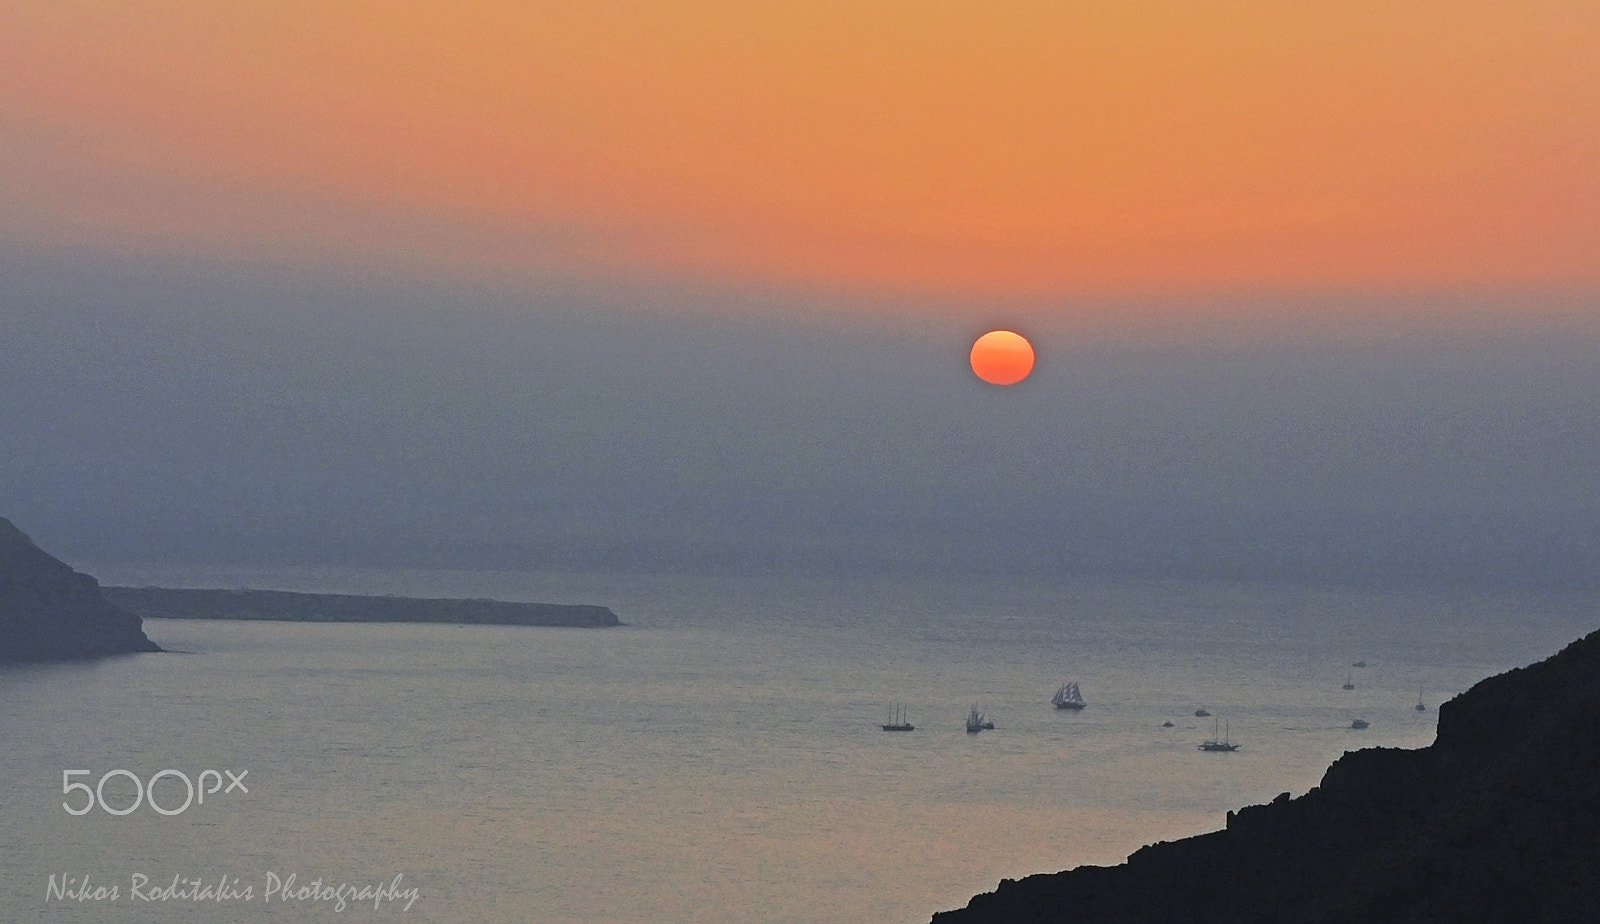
[288, 606]
[49, 612]
[1497, 820]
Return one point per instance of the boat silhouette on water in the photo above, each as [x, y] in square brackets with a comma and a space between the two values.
[1218, 744]
[897, 721]
[1068, 697]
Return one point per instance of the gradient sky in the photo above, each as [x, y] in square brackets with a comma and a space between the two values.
[1315, 287]
[992, 150]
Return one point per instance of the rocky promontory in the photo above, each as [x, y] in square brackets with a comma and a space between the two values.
[49, 612]
[288, 606]
[1497, 820]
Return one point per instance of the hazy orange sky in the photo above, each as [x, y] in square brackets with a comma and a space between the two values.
[994, 149]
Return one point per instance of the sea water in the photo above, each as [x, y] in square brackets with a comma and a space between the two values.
[717, 759]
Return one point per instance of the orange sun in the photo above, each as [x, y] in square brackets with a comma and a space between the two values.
[1001, 357]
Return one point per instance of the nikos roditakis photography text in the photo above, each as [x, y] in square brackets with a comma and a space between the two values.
[268, 888]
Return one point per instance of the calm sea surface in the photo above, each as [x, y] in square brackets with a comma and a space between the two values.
[716, 760]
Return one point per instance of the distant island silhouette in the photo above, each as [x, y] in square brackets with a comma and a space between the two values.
[288, 606]
[49, 612]
[1497, 820]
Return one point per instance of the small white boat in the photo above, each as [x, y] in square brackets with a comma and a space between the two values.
[1068, 697]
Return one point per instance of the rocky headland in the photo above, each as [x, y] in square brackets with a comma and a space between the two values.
[1497, 820]
[168, 603]
[49, 612]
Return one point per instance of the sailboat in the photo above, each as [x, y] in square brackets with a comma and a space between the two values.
[1349, 681]
[1218, 744]
[977, 721]
[897, 721]
[1421, 707]
[1068, 697]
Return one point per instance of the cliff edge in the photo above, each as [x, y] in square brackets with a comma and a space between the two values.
[49, 612]
[1497, 820]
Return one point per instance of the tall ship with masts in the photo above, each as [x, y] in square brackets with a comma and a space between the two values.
[1218, 744]
[1068, 697]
